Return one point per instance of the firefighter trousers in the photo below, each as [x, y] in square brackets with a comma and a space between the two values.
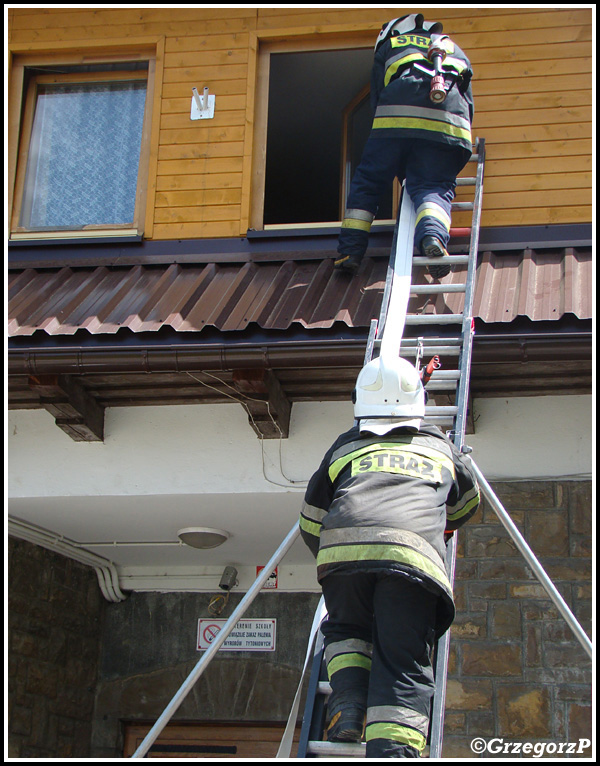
[379, 639]
[429, 168]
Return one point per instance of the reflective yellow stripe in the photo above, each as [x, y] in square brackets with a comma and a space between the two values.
[354, 223]
[404, 462]
[397, 733]
[393, 68]
[417, 124]
[383, 552]
[434, 211]
[454, 63]
[350, 660]
[310, 527]
[432, 454]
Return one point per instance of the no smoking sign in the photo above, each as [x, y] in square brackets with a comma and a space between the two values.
[248, 635]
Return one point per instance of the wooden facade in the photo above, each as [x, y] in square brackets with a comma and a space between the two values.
[532, 88]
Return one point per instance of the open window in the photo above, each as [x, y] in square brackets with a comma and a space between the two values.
[82, 157]
[314, 116]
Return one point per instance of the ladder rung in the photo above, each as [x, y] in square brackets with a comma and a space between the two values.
[324, 687]
[445, 375]
[474, 158]
[412, 319]
[441, 346]
[337, 749]
[441, 410]
[468, 181]
[430, 288]
[428, 341]
[443, 420]
[462, 206]
[450, 260]
[441, 385]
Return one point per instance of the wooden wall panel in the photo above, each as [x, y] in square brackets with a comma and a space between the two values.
[532, 86]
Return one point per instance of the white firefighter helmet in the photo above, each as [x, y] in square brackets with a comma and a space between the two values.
[405, 24]
[389, 393]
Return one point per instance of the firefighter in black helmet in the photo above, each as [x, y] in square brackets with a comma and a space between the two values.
[418, 135]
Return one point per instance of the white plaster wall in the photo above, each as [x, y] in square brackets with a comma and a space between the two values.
[156, 450]
[161, 469]
[534, 437]
[190, 450]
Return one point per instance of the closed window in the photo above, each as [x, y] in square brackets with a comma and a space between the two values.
[82, 157]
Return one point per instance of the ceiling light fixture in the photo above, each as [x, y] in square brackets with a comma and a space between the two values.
[202, 537]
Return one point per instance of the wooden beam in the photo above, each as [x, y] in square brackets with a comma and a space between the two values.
[75, 412]
[268, 407]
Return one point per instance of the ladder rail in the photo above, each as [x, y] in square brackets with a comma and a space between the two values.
[442, 653]
[468, 326]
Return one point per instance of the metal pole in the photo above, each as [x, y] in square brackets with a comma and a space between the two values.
[530, 558]
[187, 685]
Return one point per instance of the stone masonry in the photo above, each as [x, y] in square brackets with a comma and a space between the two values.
[54, 632]
[516, 671]
[77, 667]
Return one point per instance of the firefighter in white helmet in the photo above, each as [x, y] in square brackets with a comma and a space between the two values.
[421, 133]
[375, 515]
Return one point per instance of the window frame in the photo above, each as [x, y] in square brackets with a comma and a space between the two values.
[346, 164]
[22, 100]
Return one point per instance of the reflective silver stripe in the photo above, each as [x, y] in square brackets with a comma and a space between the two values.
[389, 535]
[400, 715]
[360, 215]
[356, 645]
[392, 110]
[464, 505]
[313, 513]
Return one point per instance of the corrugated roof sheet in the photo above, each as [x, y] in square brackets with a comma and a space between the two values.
[540, 285]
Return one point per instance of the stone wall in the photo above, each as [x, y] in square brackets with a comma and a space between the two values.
[516, 671]
[150, 647]
[54, 631]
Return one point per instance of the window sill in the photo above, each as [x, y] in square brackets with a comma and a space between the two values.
[91, 237]
[311, 229]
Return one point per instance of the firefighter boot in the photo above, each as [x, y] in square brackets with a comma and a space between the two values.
[431, 247]
[347, 725]
[349, 263]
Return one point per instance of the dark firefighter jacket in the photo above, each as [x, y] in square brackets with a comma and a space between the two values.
[383, 503]
[400, 92]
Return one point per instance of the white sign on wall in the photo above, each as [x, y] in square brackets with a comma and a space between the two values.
[247, 636]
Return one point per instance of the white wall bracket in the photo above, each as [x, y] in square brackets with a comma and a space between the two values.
[203, 107]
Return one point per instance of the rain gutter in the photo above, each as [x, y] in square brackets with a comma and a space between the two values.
[522, 347]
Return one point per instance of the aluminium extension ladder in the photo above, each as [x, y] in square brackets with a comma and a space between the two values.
[386, 336]
[457, 346]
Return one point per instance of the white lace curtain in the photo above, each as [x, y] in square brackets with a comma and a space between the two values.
[84, 155]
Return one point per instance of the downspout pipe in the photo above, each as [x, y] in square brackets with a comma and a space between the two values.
[108, 578]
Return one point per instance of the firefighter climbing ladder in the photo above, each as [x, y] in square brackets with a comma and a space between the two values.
[386, 337]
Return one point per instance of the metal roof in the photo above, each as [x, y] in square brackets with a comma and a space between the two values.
[540, 285]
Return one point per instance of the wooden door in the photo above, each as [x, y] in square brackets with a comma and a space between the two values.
[210, 740]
